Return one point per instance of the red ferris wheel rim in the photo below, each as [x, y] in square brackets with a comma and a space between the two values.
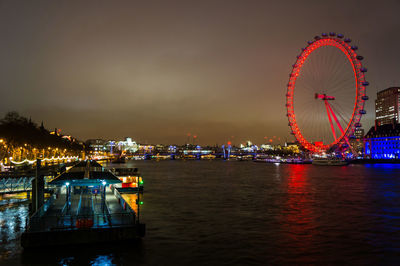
[355, 60]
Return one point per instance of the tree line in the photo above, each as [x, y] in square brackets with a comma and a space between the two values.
[18, 131]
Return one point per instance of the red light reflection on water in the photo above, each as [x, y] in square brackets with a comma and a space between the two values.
[298, 211]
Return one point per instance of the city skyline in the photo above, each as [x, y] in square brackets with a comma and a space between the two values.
[157, 72]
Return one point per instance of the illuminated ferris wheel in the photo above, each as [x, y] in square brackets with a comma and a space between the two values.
[326, 93]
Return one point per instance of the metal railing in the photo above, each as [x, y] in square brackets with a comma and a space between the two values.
[12, 185]
[43, 209]
[20, 184]
[72, 222]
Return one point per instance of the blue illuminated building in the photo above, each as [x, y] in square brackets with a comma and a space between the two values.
[383, 142]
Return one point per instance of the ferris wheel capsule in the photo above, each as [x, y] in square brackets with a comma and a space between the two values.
[365, 98]
[340, 36]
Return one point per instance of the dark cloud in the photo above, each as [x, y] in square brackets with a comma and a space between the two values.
[158, 70]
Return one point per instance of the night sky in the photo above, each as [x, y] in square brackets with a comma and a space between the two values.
[156, 71]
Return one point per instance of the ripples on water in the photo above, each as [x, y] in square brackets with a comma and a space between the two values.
[13, 215]
[202, 212]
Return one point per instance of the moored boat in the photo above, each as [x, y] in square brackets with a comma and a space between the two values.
[297, 161]
[329, 162]
[130, 178]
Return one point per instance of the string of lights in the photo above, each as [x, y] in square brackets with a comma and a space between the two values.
[44, 159]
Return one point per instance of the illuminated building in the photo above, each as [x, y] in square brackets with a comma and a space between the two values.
[127, 145]
[197, 151]
[249, 147]
[172, 149]
[292, 147]
[387, 106]
[266, 147]
[356, 142]
[359, 133]
[146, 148]
[383, 142]
[161, 148]
[111, 146]
[56, 132]
[96, 145]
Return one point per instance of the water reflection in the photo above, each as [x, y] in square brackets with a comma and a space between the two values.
[95, 254]
[102, 260]
[13, 213]
[298, 212]
[383, 166]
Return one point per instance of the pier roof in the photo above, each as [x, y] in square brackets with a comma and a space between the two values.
[86, 173]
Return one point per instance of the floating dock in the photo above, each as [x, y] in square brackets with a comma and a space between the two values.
[85, 208]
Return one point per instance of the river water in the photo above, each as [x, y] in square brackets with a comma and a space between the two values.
[244, 213]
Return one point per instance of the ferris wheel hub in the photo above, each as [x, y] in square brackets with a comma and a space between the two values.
[324, 97]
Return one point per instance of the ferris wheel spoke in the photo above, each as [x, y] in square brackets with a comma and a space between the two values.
[337, 69]
[308, 80]
[340, 84]
[338, 76]
[342, 113]
[308, 85]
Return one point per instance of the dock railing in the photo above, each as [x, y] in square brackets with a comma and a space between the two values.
[43, 209]
[68, 222]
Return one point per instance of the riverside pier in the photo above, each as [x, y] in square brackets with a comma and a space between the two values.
[85, 208]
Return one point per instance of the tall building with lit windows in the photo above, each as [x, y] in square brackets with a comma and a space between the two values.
[359, 133]
[357, 142]
[387, 106]
[383, 140]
